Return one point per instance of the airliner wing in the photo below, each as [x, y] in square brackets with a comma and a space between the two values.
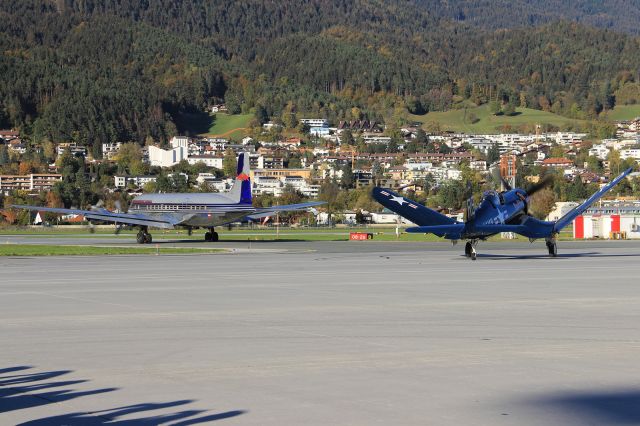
[270, 211]
[107, 216]
[577, 211]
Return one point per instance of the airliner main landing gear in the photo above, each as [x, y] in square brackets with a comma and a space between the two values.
[552, 247]
[470, 249]
[143, 236]
[211, 236]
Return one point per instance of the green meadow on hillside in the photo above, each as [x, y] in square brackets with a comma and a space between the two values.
[624, 112]
[220, 124]
[462, 120]
[229, 126]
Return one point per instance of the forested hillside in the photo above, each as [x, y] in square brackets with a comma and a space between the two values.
[620, 15]
[102, 70]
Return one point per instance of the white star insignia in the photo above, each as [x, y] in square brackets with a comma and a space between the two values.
[398, 200]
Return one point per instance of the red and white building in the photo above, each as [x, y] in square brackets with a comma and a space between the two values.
[611, 220]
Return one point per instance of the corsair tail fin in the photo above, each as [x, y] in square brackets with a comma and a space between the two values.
[241, 190]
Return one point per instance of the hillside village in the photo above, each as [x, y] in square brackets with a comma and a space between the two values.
[356, 154]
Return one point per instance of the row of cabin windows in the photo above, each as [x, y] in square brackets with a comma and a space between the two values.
[168, 207]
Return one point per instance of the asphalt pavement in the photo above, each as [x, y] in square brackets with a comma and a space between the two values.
[317, 333]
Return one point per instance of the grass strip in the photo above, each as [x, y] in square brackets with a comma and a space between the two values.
[56, 250]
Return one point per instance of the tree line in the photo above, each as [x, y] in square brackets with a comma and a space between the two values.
[93, 71]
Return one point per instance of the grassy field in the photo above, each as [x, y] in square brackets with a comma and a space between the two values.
[56, 250]
[237, 234]
[460, 121]
[229, 126]
[624, 112]
[217, 125]
[247, 234]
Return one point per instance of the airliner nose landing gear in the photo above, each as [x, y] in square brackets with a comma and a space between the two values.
[211, 236]
[143, 236]
[470, 249]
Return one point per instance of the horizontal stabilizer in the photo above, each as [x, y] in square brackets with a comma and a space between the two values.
[290, 207]
[410, 210]
[577, 211]
[270, 211]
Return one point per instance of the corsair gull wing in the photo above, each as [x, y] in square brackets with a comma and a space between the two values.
[410, 210]
[578, 210]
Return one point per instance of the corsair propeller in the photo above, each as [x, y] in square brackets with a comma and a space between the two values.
[541, 184]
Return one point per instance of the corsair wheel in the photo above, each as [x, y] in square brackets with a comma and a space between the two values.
[140, 239]
[214, 237]
[468, 249]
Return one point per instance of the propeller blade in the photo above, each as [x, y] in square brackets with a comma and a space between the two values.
[506, 184]
[469, 204]
[546, 181]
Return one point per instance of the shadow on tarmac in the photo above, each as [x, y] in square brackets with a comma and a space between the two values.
[489, 256]
[614, 407]
[23, 391]
[246, 241]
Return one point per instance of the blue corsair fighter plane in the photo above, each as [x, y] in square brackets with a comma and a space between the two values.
[505, 211]
[186, 210]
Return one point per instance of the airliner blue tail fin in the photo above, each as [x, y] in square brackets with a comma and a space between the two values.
[241, 190]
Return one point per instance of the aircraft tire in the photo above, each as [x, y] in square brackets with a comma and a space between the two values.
[207, 236]
[553, 249]
[214, 237]
[148, 239]
[140, 238]
[468, 249]
[473, 255]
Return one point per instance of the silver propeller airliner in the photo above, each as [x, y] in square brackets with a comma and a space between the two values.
[186, 210]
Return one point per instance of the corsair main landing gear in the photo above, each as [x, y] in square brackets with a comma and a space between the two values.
[144, 237]
[470, 249]
[552, 247]
[211, 236]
